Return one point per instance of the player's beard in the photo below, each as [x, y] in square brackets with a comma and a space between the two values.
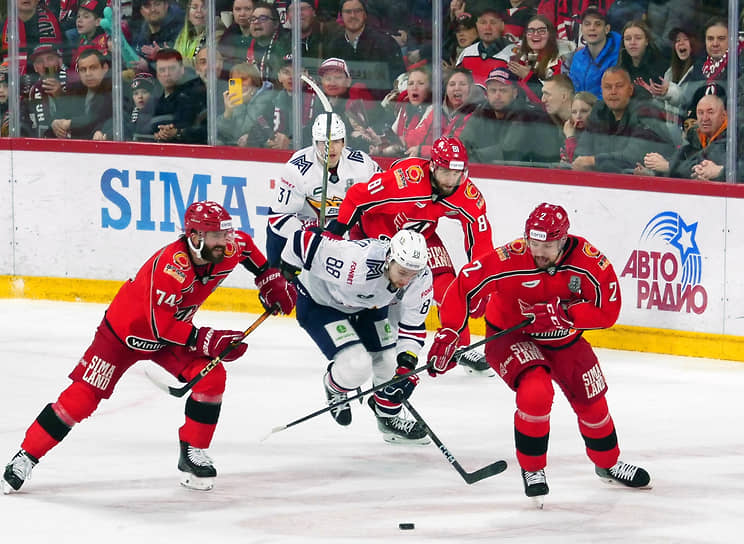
[213, 255]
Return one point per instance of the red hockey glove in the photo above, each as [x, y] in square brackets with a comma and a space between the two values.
[478, 308]
[211, 343]
[546, 316]
[442, 350]
[274, 289]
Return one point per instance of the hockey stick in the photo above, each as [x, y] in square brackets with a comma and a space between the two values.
[329, 114]
[469, 477]
[181, 391]
[391, 381]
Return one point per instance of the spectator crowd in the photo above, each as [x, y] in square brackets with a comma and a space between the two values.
[632, 86]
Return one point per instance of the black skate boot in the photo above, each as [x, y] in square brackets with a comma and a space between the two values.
[398, 430]
[535, 486]
[197, 469]
[18, 471]
[342, 413]
[625, 474]
[474, 363]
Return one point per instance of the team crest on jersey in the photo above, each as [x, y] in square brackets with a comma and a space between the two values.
[374, 269]
[517, 247]
[471, 191]
[574, 284]
[400, 178]
[182, 260]
[414, 173]
[230, 248]
[590, 250]
[175, 273]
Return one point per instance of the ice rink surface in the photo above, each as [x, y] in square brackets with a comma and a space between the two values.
[114, 478]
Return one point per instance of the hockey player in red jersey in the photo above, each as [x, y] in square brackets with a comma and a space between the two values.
[565, 286]
[415, 194]
[151, 318]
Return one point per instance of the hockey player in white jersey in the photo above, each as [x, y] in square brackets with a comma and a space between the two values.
[297, 194]
[364, 303]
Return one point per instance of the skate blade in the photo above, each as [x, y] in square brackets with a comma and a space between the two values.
[400, 441]
[7, 489]
[488, 373]
[190, 481]
[538, 501]
[610, 481]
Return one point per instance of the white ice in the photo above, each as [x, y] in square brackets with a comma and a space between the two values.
[114, 478]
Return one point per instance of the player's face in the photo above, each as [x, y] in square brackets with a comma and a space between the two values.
[215, 244]
[334, 152]
[400, 276]
[545, 254]
[446, 180]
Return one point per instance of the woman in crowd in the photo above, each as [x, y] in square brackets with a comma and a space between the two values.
[248, 117]
[194, 31]
[462, 33]
[640, 56]
[581, 107]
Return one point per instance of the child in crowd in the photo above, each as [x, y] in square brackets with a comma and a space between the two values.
[88, 24]
[143, 86]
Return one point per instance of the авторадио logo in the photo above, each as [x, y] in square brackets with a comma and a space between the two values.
[667, 266]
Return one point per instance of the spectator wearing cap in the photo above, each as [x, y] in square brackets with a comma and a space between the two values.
[374, 58]
[36, 26]
[482, 56]
[235, 40]
[601, 52]
[161, 22]
[176, 109]
[621, 129]
[87, 112]
[44, 90]
[353, 102]
[461, 34]
[507, 127]
[269, 41]
[143, 106]
[704, 157]
[88, 25]
[248, 118]
[664, 16]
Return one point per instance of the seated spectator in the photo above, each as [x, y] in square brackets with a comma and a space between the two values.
[536, 58]
[36, 26]
[197, 132]
[88, 24]
[194, 32]
[247, 120]
[237, 37]
[143, 102]
[507, 127]
[361, 113]
[639, 55]
[621, 129]
[482, 57]
[86, 114]
[414, 115]
[516, 16]
[177, 107]
[581, 108]
[663, 16]
[462, 34]
[283, 129]
[704, 157]
[312, 33]
[373, 57]
[557, 97]
[601, 52]
[44, 90]
[161, 22]
[269, 42]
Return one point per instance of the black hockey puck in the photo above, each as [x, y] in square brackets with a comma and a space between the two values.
[406, 526]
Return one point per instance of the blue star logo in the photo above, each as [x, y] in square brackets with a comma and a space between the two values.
[670, 226]
[684, 240]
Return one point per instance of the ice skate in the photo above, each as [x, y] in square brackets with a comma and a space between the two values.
[398, 430]
[535, 486]
[474, 363]
[342, 413]
[196, 467]
[18, 471]
[625, 474]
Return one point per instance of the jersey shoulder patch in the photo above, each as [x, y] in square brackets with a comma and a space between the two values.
[355, 155]
[302, 164]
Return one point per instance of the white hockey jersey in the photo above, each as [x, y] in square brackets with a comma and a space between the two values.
[350, 276]
[297, 194]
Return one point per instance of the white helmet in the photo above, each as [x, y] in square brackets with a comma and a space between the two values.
[408, 249]
[320, 128]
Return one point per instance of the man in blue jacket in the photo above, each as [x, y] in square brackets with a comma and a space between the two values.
[601, 52]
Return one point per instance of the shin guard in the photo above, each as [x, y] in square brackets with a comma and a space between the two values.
[532, 418]
[598, 431]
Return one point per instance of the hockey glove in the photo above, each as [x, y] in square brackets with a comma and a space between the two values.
[402, 389]
[273, 289]
[478, 308]
[211, 343]
[337, 228]
[546, 316]
[442, 351]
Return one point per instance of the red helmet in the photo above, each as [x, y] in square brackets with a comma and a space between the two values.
[547, 222]
[449, 153]
[206, 216]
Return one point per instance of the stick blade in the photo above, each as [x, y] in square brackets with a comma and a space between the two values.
[272, 431]
[491, 470]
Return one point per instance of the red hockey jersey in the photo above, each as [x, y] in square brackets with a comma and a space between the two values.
[583, 278]
[157, 306]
